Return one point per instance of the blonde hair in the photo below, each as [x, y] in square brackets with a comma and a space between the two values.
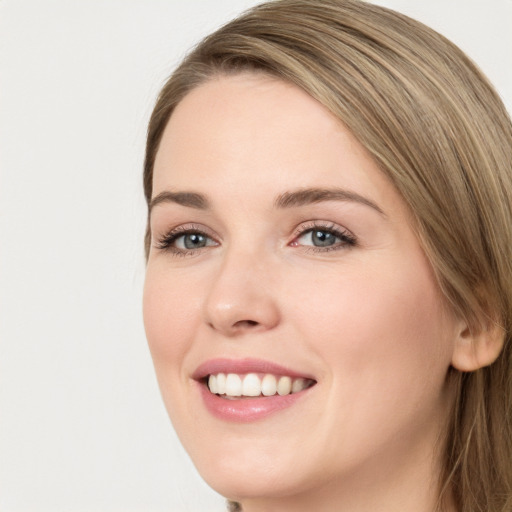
[441, 134]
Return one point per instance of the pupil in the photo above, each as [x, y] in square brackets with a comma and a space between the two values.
[323, 238]
[194, 241]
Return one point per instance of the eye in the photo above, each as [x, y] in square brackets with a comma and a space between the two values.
[319, 238]
[323, 238]
[184, 240]
[191, 241]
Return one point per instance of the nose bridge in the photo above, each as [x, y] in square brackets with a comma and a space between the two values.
[242, 296]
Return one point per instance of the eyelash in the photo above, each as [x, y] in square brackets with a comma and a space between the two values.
[165, 243]
[346, 237]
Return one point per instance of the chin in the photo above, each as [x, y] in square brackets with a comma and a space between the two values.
[241, 484]
[245, 472]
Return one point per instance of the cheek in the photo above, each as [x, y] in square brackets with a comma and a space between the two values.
[168, 320]
[386, 337]
[383, 310]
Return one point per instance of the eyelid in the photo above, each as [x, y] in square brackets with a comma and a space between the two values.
[341, 232]
[321, 224]
[163, 242]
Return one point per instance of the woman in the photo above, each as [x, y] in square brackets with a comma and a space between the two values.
[328, 290]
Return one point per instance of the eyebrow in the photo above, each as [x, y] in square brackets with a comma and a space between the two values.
[291, 199]
[307, 196]
[189, 199]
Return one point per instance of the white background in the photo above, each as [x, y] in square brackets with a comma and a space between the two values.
[82, 427]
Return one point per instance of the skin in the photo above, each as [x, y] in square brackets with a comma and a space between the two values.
[368, 320]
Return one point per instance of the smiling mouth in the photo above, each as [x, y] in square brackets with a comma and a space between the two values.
[233, 386]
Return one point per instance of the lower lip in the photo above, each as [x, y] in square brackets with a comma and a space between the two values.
[247, 409]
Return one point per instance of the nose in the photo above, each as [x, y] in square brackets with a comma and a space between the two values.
[242, 297]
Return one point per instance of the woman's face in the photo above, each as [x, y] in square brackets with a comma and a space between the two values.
[280, 251]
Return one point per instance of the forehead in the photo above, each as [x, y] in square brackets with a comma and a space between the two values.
[255, 131]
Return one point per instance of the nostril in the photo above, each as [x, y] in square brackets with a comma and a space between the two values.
[246, 323]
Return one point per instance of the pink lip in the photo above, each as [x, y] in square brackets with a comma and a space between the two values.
[243, 366]
[245, 409]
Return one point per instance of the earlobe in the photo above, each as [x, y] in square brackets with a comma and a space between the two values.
[474, 349]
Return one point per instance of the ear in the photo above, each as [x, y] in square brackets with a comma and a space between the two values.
[478, 347]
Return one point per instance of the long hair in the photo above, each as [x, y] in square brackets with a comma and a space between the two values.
[439, 131]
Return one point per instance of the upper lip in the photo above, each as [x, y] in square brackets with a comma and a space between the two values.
[243, 366]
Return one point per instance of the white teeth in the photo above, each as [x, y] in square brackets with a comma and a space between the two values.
[221, 383]
[269, 385]
[212, 383]
[233, 385]
[251, 385]
[284, 386]
[298, 385]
